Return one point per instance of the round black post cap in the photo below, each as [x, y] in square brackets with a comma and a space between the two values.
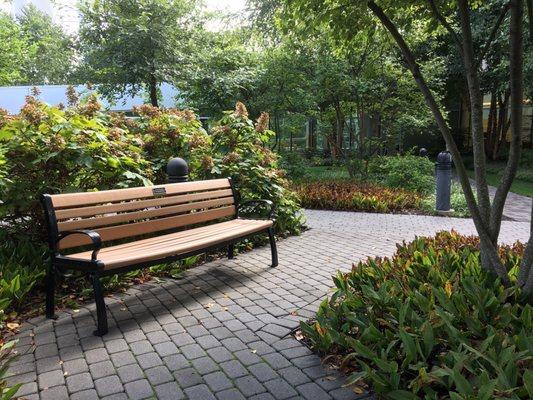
[177, 170]
[444, 157]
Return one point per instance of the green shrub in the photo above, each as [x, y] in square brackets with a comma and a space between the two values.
[169, 133]
[457, 202]
[52, 150]
[430, 323]
[525, 175]
[407, 172]
[293, 164]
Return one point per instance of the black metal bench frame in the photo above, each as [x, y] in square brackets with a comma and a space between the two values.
[94, 269]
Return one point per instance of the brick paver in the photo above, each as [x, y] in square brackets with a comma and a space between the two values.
[223, 331]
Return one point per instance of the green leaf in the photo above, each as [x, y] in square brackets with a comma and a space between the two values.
[461, 383]
[527, 378]
[408, 345]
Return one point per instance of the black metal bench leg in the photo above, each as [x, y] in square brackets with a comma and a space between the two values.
[101, 314]
[50, 292]
[273, 247]
[231, 251]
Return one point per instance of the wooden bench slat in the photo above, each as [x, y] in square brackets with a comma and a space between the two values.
[138, 215]
[142, 228]
[107, 196]
[191, 234]
[175, 243]
[140, 204]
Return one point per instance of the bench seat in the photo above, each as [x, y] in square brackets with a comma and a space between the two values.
[160, 247]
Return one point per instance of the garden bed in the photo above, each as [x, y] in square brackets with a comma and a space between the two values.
[350, 195]
[385, 184]
[354, 196]
[429, 323]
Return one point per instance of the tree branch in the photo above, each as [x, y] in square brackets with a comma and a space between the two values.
[495, 28]
[442, 20]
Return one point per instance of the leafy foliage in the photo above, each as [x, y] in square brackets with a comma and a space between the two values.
[228, 71]
[49, 150]
[430, 323]
[22, 270]
[50, 51]
[352, 196]
[408, 172]
[6, 357]
[33, 50]
[168, 133]
[239, 151]
[12, 54]
[149, 42]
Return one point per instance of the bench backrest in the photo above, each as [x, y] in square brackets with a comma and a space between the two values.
[122, 213]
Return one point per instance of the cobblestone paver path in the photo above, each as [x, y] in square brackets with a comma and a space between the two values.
[221, 332]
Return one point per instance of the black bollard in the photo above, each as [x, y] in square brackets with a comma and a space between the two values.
[177, 170]
[444, 181]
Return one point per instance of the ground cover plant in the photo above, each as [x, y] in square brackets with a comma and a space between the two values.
[430, 323]
[7, 355]
[350, 196]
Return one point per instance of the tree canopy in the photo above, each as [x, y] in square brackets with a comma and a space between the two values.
[127, 46]
[34, 50]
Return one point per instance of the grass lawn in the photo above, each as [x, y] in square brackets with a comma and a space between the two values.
[524, 188]
[326, 173]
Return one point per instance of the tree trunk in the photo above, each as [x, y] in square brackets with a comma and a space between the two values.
[502, 124]
[516, 75]
[153, 91]
[491, 258]
[339, 123]
[476, 111]
[525, 276]
[491, 126]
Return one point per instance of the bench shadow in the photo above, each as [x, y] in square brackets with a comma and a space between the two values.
[203, 281]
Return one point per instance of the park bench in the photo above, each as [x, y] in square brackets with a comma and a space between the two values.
[125, 229]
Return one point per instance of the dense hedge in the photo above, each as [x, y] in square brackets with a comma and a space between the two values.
[430, 323]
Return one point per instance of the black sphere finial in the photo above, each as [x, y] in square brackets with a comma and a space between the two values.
[177, 170]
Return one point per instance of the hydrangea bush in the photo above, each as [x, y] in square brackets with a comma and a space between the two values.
[49, 149]
[239, 151]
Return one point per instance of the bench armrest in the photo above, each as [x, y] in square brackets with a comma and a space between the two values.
[256, 206]
[94, 236]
